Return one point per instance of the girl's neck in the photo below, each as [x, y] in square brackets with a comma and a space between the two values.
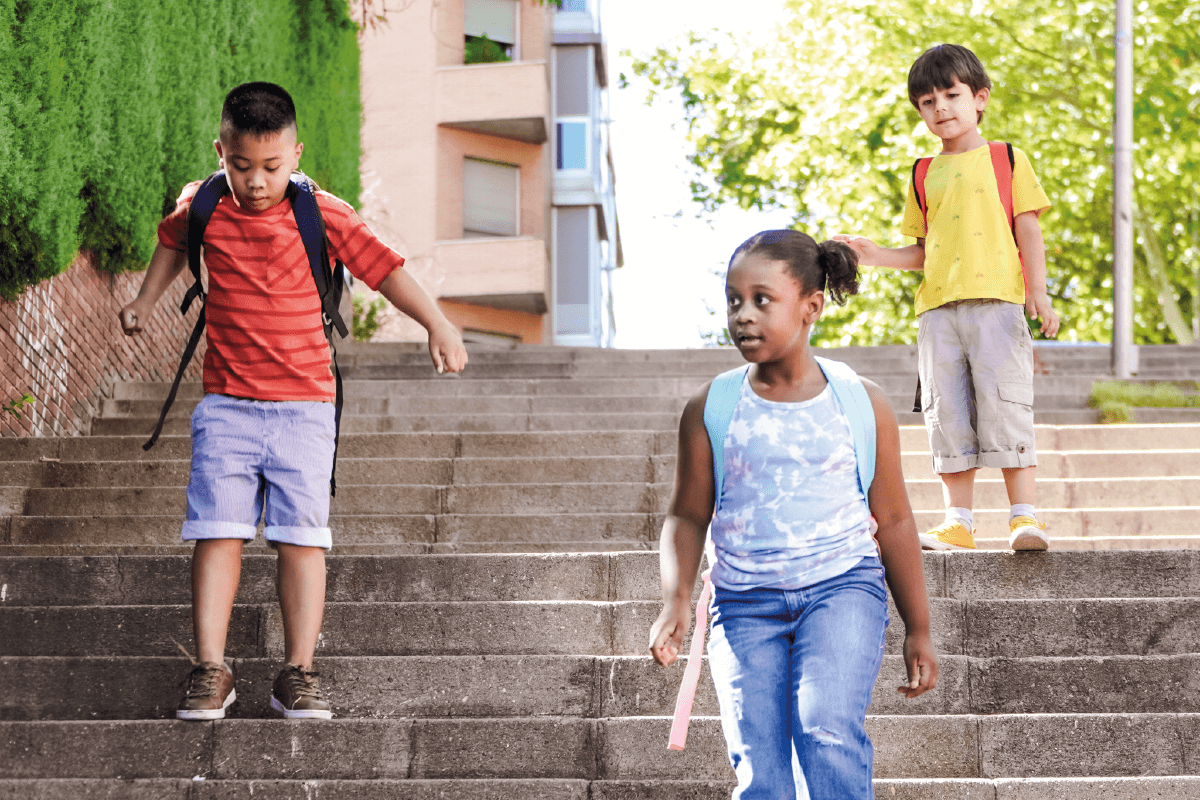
[792, 380]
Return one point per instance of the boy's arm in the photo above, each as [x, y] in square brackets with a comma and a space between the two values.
[681, 544]
[165, 266]
[911, 258]
[1033, 252]
[899, 548]
[445, 344]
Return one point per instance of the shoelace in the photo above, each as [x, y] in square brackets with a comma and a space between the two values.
[303, 683]
[202, 681]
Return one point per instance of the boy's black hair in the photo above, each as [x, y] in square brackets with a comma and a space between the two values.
[940, 66]
[829, 266]
[257, 108]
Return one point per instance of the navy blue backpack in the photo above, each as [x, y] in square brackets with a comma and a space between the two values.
[301, 193]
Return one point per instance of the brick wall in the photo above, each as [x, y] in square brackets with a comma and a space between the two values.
[62, 343]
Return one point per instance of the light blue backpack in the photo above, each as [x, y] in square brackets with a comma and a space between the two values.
[851, 395]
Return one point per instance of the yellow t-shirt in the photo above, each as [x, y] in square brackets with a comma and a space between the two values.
[969, 247]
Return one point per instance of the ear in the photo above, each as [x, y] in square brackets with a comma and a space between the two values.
[813, 305]
[299, 150]
[220, 151]
[981, 98]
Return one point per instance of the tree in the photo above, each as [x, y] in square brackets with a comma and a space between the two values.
[817, 121]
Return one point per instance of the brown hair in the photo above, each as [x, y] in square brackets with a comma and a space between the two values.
[940, 66]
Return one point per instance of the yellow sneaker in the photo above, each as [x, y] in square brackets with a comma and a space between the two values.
[1027, 533]
[950, 535]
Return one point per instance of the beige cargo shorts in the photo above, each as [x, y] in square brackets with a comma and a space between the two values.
[975, 361]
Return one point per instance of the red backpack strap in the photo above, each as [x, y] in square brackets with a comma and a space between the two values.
[919, 171]
[1003, 163]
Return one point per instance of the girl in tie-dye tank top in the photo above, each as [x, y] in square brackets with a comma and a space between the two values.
[799, 602]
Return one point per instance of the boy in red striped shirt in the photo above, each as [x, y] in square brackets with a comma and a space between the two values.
[264, 433]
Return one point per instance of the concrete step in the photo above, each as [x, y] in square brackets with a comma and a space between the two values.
[380, 687]
[616, 577]
[516, 498]
[968, 746]
[1139, 788]
[1073, 493]
[573, 469]
[456, 531]
[452, 423]
[982, 628]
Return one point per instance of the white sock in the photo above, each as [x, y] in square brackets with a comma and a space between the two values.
[1022, 510]
[954, 513]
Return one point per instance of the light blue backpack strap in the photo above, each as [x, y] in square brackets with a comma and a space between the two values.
[852, 396]
[722, 399]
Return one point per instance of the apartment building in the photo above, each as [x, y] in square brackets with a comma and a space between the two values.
[487, 163]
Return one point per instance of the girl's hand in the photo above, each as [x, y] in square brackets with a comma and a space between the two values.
[667, 632]
[920, 660]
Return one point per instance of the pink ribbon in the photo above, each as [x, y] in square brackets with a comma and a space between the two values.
[691, 673]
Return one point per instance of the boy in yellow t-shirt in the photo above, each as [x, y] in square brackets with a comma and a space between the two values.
[974, 351]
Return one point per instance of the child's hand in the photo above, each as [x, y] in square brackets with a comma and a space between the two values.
[920, 660]
[1037, 306]
[131, 317]
[667, 632]
[866, 250]
[446, 349]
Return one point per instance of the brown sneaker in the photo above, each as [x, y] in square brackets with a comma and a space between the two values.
[297, 693]
[209, 692]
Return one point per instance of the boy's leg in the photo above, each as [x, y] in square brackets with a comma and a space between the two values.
[300, 580]
[216, 570]
[948, 400]
[223, 498]
[1002, 362]
[300, 442]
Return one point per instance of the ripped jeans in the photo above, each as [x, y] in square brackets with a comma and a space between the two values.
[796, 667]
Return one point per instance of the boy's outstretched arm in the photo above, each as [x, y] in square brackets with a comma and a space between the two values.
[911, 258]
[682, 542]
[900, 549]
[1033, 252]
[165, 266]
[445, 344]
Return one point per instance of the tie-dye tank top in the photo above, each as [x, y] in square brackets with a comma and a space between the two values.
[792, 512]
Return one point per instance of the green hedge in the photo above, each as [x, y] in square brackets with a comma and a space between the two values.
[108, 107]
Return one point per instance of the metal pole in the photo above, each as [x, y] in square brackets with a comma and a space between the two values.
[1124, 358]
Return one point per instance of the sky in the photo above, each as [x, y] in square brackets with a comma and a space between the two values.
[663, 294]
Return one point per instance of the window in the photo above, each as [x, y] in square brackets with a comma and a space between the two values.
[490, 28]
[573, 107]
[575, 5]
[572, 269]
[490, 198]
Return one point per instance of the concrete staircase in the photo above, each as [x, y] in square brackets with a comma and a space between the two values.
[488, 609]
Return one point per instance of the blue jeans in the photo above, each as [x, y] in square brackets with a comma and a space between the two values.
[794, 669]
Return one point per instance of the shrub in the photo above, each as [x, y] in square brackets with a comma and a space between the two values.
[108, 107]
[365, 317]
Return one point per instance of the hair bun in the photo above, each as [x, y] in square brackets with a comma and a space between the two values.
[840, 265]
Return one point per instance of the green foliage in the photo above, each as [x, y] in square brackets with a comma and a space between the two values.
[108, 107]
[14, 407]
[482, 50]
[1115, 399]
[818, 121]
[365, 323]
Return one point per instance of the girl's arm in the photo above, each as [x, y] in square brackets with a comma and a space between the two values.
[682, 542]
[911, 258]
[900, 549]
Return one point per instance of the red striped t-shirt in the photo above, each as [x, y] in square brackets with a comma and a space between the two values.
[265, 338]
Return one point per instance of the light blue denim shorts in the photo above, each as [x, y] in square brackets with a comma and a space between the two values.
[248, 455]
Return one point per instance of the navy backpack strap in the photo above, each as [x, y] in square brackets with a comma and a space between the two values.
[723, 395]
[204, 203]
[302, 194]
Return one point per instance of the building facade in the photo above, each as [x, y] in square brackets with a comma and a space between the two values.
[486, 162]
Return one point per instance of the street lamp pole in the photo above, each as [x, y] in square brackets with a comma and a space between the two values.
[1124, 357]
